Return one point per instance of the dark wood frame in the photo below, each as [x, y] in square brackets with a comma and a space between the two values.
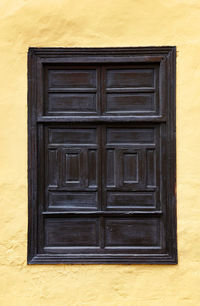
[166, 56]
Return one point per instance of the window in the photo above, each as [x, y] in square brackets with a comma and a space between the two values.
[102, 155]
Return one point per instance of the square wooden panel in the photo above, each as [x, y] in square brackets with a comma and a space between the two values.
[102, 155]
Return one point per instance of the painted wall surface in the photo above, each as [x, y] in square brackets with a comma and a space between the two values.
[83, 23]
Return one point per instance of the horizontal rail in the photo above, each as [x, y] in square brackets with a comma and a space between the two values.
[102, 119]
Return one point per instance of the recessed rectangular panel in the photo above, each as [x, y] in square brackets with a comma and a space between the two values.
[116, 199]
[73, 200]
[71, 103]
[72, 168]
[130, 103]
[92, 168]
[130, 135]
[137, 77]
[53, 167]
[74, 78]
[130, 167]
[71, 232]
[133, 232]
[72, 136]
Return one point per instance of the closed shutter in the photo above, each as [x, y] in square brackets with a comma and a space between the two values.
[102, 155]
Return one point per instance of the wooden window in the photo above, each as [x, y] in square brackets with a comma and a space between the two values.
[102, 155]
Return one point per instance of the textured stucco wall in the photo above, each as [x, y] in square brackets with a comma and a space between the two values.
[25, 23]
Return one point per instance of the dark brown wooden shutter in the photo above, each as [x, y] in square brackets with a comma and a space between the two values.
[102, 155]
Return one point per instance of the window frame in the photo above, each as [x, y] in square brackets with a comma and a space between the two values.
[37, 57]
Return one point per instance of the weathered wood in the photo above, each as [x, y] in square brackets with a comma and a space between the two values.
[102, 155]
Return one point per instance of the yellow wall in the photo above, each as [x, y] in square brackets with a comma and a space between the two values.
[51, 23]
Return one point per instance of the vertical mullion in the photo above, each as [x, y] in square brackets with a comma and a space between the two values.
[103, 140]
[103, 168]
[99, 168]
[101, 186]
[102, 159]
[100, 173]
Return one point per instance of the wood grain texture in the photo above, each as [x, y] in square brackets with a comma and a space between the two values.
[101, 137]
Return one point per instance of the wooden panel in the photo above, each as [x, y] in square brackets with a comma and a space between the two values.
[130, 135]
[71, 232]
[130, 78]
[72, 78]
[123, 200]
[73, 200]
[123, 103]
[132, 168]
[129, 232]
[69, 103]
[130, 165]
[72, 136]
[72, 167]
